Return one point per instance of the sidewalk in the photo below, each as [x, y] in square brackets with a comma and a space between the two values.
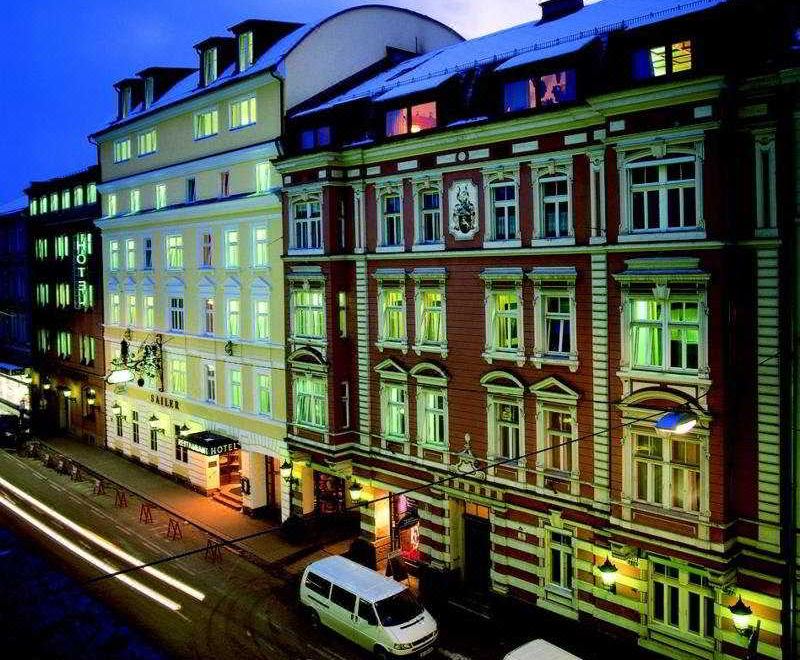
[269, 550]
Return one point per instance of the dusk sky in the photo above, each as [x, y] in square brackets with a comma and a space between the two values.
[64, 55]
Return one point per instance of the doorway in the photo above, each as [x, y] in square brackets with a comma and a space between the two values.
[63, 414]
[273, 501]
[477, 547]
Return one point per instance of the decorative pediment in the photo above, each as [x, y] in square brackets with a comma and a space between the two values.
[232, 286]
[174, 284]
[430, 373]
[390, 368]
[309, 357]
[552, 388]
[130, 284]
[503, 381]
[147, 285]
[113, 284]
[206, 285]
[260, 288]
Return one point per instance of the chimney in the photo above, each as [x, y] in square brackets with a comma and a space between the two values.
[553, 9]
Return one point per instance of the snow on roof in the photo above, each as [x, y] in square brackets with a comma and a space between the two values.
[14, 206]
[515, 46]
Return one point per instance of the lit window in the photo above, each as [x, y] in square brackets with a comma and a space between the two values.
[662, 60]
[174, 252]
[114, 310]
[397, 122]
[681, 600]
[666, 472]
[557, 88]
[148, 142]
[554, 212]
[232, 248]
[43, 340]
[260, 247]
[395, 411]
[308, 313]
[91, 193]
[131, 311]
[135, 201]
[262, 319]
[243, 112]
[54, 201]
[64, 344]
[130, 254]
[41, 249]
[113, 255]
[42, 294]
[122, 150]
[235, 388]
[208, 316]
[206, 123]
[554, 316]
[160, 196]
[177, 376]
[77, 195]
[431, 327]
[310, 400]
[234, 317]
[505, 321]
[263, 177]
[149, 312]
[134, 425]
[211, 383]
[264, 393]
[520, 95]
[206, 250]
[66, 199]
[88, 349]
[33, 206]
[391, 314]
[665, 335]
[176, 314]
[111, 205]
[423, 117]
[43, 204]
[63, 298]
[62, 247]
[391, 221]
[307, 221]
[341, 304]
[209, 66]
[432, 413]
[245, 50]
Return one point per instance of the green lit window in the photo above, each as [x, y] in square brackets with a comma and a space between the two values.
[206, 123]
[64, 344]
[665, 335]
[88, 349]
[147, 142]
[114, 309]
[43, 204]
[663, 60]
[393, 314]
[135, 201]
[111, 205]
[131, 311]
[174, 252]
[66, 199]
[54, 201]
[308, 313]
[83, 243]
[33, 206]
[77, 195]
[505, 321]
[130, 254]
[122, 150]
[63, 298]
[62, 247]
[209, 66]
[235, 381]
[310, 400]
[243, 112]
[260, 247]
[113, 255]
[234, 317]
[208, 316]
[149, 312]
[177, 376]
[160, 196]
[431, 319]
[264, 393]
[432, 414]
[85, 297]
[245, 50]
[262, 319]
[263, 177]
[91, 193]
[42, 294]
[232, 248]
[507, 427]
[40, 249]
[43, 340]
[395, 420]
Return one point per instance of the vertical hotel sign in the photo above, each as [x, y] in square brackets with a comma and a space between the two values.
[83, 248]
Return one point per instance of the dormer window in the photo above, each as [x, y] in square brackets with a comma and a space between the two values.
[663, 60]
[245, 51]
[209, 66]
[421, 117]
[149, 86]
[315, 137]
[125, 102]
[540, 91]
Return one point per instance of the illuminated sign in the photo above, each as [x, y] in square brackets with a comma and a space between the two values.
[212, 447]
[80, 269]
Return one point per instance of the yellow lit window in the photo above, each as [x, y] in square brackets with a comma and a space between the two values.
[243, 112]
[206, 123]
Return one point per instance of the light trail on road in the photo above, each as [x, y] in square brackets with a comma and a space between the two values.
[89, 557]
[103, 543]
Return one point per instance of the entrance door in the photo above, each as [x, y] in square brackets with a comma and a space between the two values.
[229, 469]
[476, 551]
[272, 471]
[63, 414]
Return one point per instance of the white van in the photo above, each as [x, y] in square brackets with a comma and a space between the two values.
[540, 649]
[369, 609]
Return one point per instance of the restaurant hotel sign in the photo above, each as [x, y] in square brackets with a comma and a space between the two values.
[165, 401]
[83, 248]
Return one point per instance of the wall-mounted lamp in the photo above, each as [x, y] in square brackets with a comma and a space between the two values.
[184, 430]
[286, 471]
[356, 492]
[153, 422]
[91, 397]
[229, 347]
[742, 615]
[609, 574]
[46, 384]
[116, 409]
[66, 393]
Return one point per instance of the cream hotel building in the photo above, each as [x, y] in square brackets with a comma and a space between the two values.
[192, 241]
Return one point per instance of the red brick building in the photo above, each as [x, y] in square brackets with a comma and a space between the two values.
[506, 262]
[67, 306]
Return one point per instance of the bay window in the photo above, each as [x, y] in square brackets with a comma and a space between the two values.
[432, 414]
[307, 225]
[310, 394]
[307, 313]
[665, 335]
[394, 411]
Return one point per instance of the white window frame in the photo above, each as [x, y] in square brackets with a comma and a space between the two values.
[244, 46]
[392, 375]
[232, 264]
[541, 175]
[147, 142]
[198, 122]
[503, 388]
[149, 309]
[233, 330]
[564, 545]
[122, 150]
[114, 308]
[307, 280]
[205, 248]
[766, 196]
[383, 191]
[257, 375]
[684, 587]
[246, 101]
[660, 153]
[429, 280]
[176, 312]
[257, 316]
[316, 374]
[493, 178]
[131, 310]
[130, 254]
[229, 378]
[210, 65]
[160, 196]
[391, 281]
[499, 281]
[554, 282]
[431, 379]
[421, 187]
[597, 196]
[309, 200]
[113, 254]
[177, 377]
[145, 251]
[554, 396]
[178, 248]
[259, 245]
[263, 174]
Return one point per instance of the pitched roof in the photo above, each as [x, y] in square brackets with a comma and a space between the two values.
[522, 44]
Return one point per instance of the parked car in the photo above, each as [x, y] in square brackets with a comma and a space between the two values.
[373, 611]
[540, 649]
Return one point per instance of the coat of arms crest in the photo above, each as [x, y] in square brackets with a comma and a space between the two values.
[463, 210]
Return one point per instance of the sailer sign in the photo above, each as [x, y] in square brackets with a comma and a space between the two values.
[164, 401]
[83, 248]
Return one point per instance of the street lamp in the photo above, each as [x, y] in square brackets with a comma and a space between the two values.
[116, 409]
[91, 397]
[356, 491]
[286, 470]
[146, 361]
[676, 423]
[742, 616]
[153, 421]
[66, 393]
[608, 574]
